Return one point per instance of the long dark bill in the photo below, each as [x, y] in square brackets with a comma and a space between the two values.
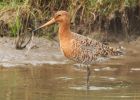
[46, 24]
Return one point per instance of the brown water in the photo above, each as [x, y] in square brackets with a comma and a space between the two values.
[116, 79]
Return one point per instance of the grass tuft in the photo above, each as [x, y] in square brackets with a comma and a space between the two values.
[16, 25]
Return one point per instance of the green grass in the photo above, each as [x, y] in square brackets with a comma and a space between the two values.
[16, 26]
[40, 9]
[10, 3]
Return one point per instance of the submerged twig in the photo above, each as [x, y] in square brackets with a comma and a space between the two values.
[31, 43]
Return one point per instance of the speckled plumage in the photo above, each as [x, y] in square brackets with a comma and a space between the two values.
[86, 50]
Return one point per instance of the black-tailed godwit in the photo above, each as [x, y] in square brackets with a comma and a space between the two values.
[76, 47]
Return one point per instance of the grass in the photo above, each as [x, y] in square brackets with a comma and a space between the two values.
[16, 26]
[10, 4]
[82, 11]
[99, 6]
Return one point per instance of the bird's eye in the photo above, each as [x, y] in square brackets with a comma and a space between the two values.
[58, 15]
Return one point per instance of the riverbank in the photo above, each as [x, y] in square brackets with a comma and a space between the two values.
[45, 52]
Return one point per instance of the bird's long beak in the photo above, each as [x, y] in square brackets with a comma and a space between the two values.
[46, 24]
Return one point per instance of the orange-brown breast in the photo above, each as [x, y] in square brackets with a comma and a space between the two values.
[65, 45]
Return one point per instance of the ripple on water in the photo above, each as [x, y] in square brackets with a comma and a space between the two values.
[105, 69]
[109, 69]
[109, 78]
[90, 88]
[64, 78]
[135, 69]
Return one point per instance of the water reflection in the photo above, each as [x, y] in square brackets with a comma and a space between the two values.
[63, 82]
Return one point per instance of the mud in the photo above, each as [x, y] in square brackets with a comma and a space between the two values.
[44, 51]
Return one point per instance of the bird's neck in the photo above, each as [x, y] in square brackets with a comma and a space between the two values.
[64, 31]
[65, 36]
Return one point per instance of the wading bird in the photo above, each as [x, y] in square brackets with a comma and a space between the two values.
[76, 47]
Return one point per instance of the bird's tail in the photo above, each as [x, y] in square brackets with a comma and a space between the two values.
[119, 51]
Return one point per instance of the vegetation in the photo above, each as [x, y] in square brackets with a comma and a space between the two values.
[106, 18]
[16, 26]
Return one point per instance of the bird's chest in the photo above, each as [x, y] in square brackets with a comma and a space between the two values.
[66, 48]
[71, 49]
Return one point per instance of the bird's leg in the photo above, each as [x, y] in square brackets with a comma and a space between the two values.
[88, 75]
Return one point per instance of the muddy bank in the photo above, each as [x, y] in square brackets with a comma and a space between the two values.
[44, 51]
[47, 52]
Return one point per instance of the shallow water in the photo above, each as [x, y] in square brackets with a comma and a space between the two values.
[115, 79]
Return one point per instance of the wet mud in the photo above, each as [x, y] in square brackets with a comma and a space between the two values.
[44, 51]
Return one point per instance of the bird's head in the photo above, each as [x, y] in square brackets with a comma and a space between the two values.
[59, 17]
